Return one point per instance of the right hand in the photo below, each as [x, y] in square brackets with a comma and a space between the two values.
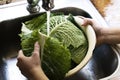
[97, 28]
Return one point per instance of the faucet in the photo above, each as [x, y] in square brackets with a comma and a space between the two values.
[48, 4]
[33, 6]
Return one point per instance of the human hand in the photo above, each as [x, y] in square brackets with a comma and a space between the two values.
[30, 66]
[97, 28]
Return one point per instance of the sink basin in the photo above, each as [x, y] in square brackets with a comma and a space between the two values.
[100, 65]
[103, 63]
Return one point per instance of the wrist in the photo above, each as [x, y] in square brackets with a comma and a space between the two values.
[38, 74]
[103, 35]
[99, 36]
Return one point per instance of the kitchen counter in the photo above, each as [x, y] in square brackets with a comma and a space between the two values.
[112, 12]
[18, 9]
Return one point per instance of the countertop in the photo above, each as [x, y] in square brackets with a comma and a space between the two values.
[112, 12]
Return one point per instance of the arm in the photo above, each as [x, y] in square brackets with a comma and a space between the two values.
[109, 35]
[30, 66]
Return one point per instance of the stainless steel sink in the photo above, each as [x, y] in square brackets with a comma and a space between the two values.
[103, 63]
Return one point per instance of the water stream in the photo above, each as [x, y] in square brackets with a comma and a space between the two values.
[48, 22]
[42, 42]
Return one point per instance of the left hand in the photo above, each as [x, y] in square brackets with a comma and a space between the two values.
[28, 65]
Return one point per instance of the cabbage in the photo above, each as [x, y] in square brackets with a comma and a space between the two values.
[65, 44]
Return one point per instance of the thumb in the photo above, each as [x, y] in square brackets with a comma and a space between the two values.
[36, 49]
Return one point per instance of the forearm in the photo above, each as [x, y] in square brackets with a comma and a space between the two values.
[111, 35]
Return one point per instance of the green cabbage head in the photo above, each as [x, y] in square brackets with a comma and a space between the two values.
[62, 50]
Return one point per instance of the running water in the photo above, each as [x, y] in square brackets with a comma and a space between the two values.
[48, 32]
[48, 23]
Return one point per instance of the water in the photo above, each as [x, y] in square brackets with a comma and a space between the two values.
[48, 32]
[48, 22]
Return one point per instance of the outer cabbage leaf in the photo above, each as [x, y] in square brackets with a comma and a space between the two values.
[56, 61]
[36, 23]
[28, 40]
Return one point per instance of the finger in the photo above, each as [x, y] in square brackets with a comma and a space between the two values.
[87, 21]
[20, 57]
[36, 49]
[20, 53]
[81, 17]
